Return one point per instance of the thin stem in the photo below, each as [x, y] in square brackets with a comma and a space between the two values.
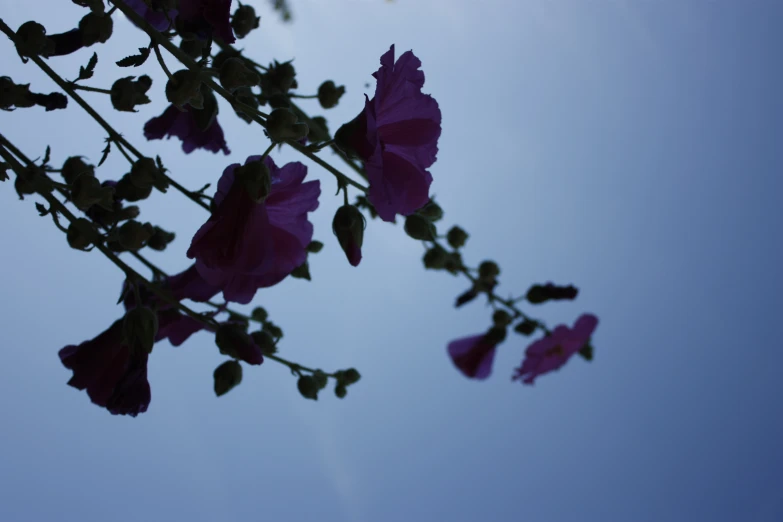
[91, 89]
[124, 153]
[162, 63]
[303, 96]
[340, 176]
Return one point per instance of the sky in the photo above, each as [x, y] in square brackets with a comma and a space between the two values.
[631, 147]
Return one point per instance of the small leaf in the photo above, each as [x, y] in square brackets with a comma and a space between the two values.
[86, 72]
[42, 210]
[47, 155]
[136, 59]
[105, 152]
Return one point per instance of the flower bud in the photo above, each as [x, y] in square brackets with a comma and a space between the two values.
[273, 330]
[340, 391]
[227, 376]
[501, 318]
[265, 342]
[87, 191]
[456, 237]
[435, 258]
[350, 376]
[74, 167]
[234, 341]
[329, 94]
[234, 74]
[128, 191]
[488, 270]
[301, 272]
[419, 227]
[193, 48]
[278, 78]
[314, 247]
[454, 263]
[244, 20]
[183, 88]
[139, 328]
[95, 28]
[256, 178]
[538, 294]
[431, 211]
[282, 125]
[259, 314]
[132, 235]
[31, 40]
[321, 379]
[525, 327]
[145, 174]
[81, 234]
[308, 387]
[127, 93]
[160, 239]
[246, 97]
[348, 225]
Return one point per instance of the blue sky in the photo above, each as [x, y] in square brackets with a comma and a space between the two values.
[629, 147]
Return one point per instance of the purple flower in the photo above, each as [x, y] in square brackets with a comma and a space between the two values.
[114, 377]
[473, 355]
[156, 19]
[178, 327]
[246, 245]
[187, 126]
[397, 137]
[207, 17]
[553, 351]
[190, 285]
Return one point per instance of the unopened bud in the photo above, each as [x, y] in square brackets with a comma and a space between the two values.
[193, 48]
[256, 178]
[435, 258]
[31, 40]
[279, 78]
[259, 314]
[244, 20]
[234, 341]
[75, 167]
[227, 376]
[160, 239]
[81, 234]
[488, 270]
[139, 328]
[329, 94]
[95, 27]
[132, 235]
[348, 225]
[128, 191]
[321, 379]
[183, 88]
[495, 335]
[350, 376]
[340, 390]
[265, 342]
[525, 327]
[282, 125]
[431, 211]
[126, 93]
[419, 227]
[245, 96]
[308, 387]
[87, 191]
[234, 74]
[501, 318]
[145, 174]
[538, 294]
[456, 237]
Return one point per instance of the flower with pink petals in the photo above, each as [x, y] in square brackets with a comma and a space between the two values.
[396, 136]
[156, 18]
[190, 126]
[473, 355]
[553, 351]
[252, 241]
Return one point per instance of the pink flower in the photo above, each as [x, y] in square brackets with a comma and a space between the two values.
[250, 242]
[553, 351]
[473, 356]
[396, 136]
[190, 127]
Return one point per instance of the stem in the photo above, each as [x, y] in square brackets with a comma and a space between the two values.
[91, 89]
[162, 63]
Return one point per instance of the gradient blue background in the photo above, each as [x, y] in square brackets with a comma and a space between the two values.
[630, 147]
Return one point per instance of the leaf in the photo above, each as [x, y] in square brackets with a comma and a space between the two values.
[105, 152]
[47, 155]
[86, 72]
[136, 59]
[42, 210]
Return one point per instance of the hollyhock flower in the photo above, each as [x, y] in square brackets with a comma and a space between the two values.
[207, 17]
[553, 351]
[473, 356]
[113, 376]
[252, 242]
[157, 19]
[396, 136]
[178, 327]
[188, 126]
